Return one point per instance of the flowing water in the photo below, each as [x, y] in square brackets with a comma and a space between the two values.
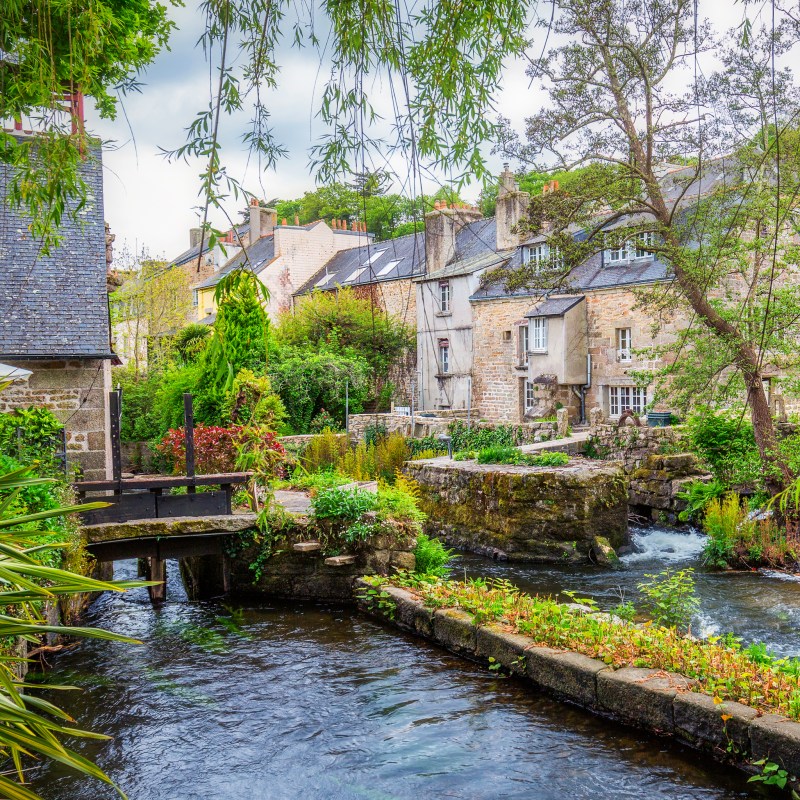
[316, 702]
[756, 606]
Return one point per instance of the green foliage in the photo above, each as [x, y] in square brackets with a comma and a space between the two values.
[771, 774]
[726, 443]
[432, 557]
[251, 401]
[323, 421]
[400, 502]
[736, 538]
[33, 726]
[359, 532]
[670, 598]
[141, 411]
[324, 452]
[190, 342]
[342, 504]
[477, 437]
[309, 382]
[374, 432]
[31, 435]
[697, 495]
[548, 459]
[346, 324]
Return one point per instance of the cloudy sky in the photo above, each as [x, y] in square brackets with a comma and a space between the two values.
[151, 203]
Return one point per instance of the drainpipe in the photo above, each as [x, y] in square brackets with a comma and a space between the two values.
[586, 386]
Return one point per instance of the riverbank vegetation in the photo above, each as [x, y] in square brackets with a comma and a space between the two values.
[718, 666]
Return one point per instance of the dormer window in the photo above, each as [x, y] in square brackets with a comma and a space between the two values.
[541, 254]
[636, 248]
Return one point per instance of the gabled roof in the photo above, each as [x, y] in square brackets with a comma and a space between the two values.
[55, 305]
[554, 306]
[255, 257]
[465, 266]
[193, 252]
[391, 260]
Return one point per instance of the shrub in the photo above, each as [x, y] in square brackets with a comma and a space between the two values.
[477, 437]
[390, 454]
[465, 455]
[737, 538]
[32, 435]
[324, 451]
[400, 501]
[375, 432]
[251, 401]
[432, 557]
[141, 413]
[726, 443]
[697, 495]
[549, 459]
[343, 504]
[323, 421]
[358, 462]
[670, 598]
[499, 454]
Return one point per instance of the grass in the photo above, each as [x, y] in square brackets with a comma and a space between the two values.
[718, 665]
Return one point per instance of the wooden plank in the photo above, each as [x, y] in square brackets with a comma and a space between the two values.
[188, 433]
[116, 446]
[122, 509]
[192, 505]
[164, 482]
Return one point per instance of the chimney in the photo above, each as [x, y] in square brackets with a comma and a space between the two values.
[195, 234]
[511, 206]
[262, 220]
[441, 226]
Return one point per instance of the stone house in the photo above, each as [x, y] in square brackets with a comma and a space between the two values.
[284, 257]
[54, 321]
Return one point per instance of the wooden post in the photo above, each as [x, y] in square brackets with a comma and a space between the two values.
[188, 429]
[157, 571]
[116, 447]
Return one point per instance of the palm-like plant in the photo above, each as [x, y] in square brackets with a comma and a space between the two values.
[31, 727]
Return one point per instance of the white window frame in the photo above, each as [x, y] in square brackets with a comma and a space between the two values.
[354, 275]
[538, 335]
[528, 395]
[444, 357]
[524, 343]
[444, 297]
[540, 254]
[624, 344]
[621, 398]
[635, 249]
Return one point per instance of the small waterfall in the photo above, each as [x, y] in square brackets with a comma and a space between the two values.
[664, 545]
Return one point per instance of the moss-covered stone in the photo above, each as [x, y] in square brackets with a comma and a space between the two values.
[524, 513]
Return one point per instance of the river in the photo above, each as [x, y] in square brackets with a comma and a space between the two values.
[317, 702]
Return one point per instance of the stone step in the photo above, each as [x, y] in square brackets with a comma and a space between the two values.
[340, 561]
[306, 547]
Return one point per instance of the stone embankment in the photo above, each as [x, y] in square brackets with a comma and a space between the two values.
[653, 700]
[523, 513]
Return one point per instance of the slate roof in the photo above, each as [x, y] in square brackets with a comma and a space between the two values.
[193, 252]
[554, 306]
[56, 305]
[260, 253]
[377, 262]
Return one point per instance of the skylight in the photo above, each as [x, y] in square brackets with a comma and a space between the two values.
[389, 267]
[373, 258]
[354, 275]
[322, 282]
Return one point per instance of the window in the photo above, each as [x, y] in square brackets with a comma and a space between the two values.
[444, 356]
[530, 395]
[622, 398]
[389, 267]
[624, 344]
[542, 254]
[373, 258]
[640, 246]
[444, 297]
[538, 335]
[524, 343]
[643, 245]
[353, 275]
[195, 297]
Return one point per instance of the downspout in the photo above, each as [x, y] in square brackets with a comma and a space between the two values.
[586, 386]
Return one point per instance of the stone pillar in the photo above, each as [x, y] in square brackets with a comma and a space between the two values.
[596, 418]
[562, 423]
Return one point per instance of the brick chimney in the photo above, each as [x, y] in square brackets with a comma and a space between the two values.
[512, 204]
[262, 220]
[441, 226]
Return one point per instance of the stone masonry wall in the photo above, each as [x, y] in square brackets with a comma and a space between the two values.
[498, 372]
[76, 392]
[632, 444]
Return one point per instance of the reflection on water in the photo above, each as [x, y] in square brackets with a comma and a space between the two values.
[316, 702]
[758, 606]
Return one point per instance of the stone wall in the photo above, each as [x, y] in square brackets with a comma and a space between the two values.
[524, 513]
[632, 444]
[76, 391]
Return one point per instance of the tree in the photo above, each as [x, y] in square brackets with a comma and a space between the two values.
[727, 241]
[148, 310]
[53, 50]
